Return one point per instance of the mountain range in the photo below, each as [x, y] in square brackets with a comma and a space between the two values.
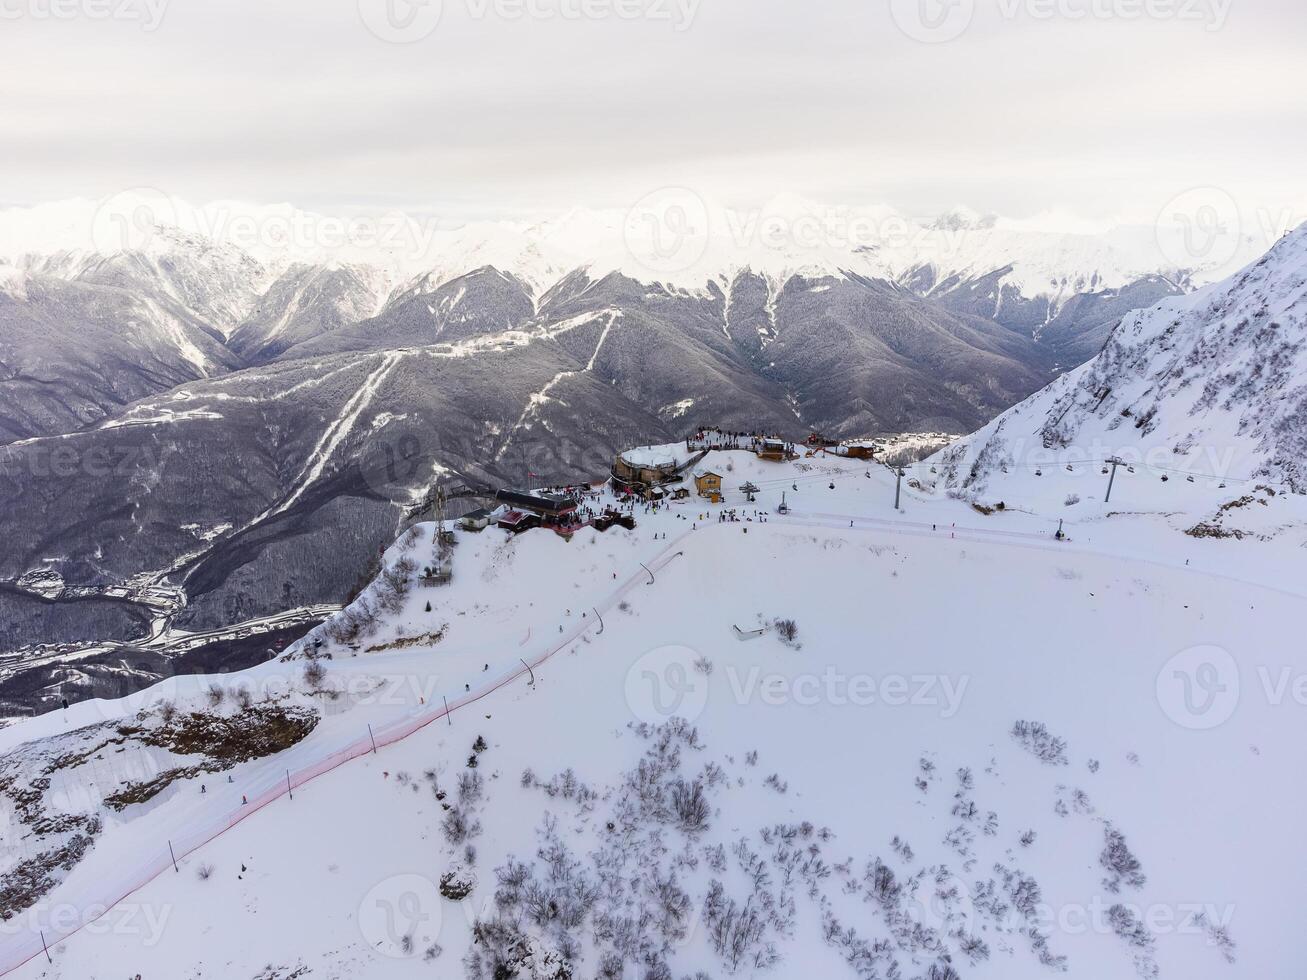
[248, 430]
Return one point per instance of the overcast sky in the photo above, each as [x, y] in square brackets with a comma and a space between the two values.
[1082, 107]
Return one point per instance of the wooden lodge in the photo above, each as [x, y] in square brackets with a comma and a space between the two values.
[775, 450]
[709, 484]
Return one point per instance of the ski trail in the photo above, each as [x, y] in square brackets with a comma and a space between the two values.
[332, 437]
[612, 318]
[726, 312]
[542, 396]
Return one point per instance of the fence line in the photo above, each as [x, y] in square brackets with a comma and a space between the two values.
[25, 948]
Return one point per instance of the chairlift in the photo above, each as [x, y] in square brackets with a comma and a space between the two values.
[1039, 472]
[1069, 468]
[1190, 479]
[1104, 471]
[1165, 478]
[1129, 469]
[1221, 487]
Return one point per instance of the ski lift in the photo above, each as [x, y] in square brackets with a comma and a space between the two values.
[1039, 472]
[1104, 471]
[1069, 469]
[1165, 478]
[1190, 479]
[1221, 487]
[1129, 469]
[832, 486]
[933, 470]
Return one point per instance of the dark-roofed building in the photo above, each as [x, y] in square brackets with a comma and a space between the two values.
[544, 504]
[477, 520]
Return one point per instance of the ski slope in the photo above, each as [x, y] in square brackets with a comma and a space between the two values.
[923, 636]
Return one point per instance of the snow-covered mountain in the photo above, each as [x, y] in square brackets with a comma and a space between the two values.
[268, 420]
[1210, 385]
[713, 745]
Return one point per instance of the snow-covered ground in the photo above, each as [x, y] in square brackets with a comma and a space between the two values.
[858, 793]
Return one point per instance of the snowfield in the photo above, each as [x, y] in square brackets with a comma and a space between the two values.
[979, 752]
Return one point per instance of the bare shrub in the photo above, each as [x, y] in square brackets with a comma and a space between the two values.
[737, 933]
[1123, 868]
[787, 630]
[457, 884]
[204, 872]
[215, 695]
[1036, 739]
[314, 674]
[690, 806]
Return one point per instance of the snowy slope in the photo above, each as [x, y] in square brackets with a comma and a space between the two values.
[1210, 385]
[862, 795]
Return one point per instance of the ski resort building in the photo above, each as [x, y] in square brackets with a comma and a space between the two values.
[477, 520]
[543, 505]
[776, 450]
[709, 484]
[639, 469]
[856, 450]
